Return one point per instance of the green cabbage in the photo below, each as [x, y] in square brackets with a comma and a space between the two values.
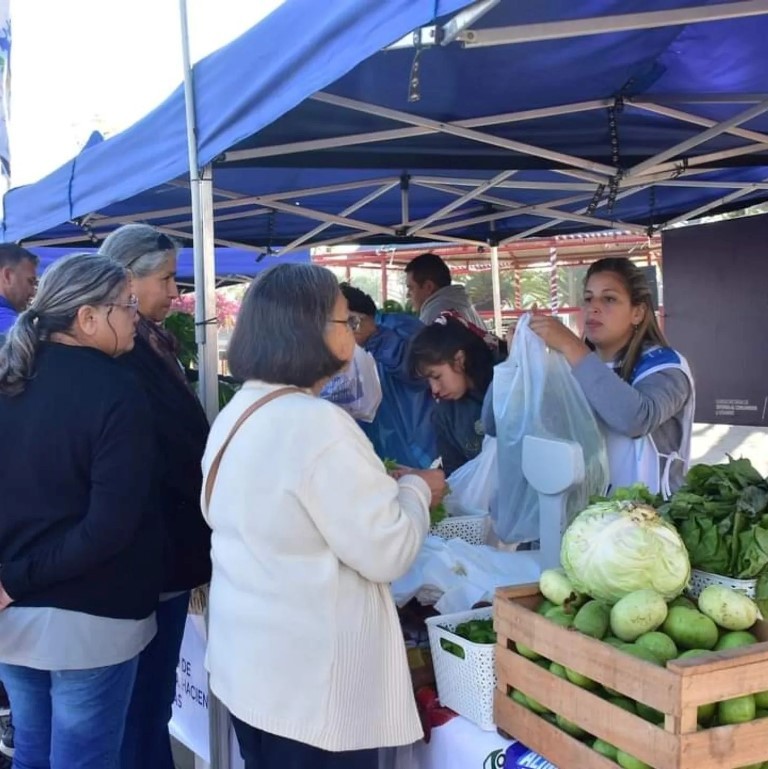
[614, 548]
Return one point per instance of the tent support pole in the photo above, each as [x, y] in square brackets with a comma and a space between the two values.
[496, 281]
[201, 185]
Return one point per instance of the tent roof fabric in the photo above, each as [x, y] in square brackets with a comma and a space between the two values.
[314, 140]
[232, 265]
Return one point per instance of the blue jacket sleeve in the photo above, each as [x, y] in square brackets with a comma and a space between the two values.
[488, 417]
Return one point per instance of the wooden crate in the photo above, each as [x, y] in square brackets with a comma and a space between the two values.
[676, 691]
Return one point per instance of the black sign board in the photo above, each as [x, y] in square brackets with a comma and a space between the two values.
[716, 315]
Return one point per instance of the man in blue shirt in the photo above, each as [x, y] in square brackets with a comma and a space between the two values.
[402, 429]
[18, 281]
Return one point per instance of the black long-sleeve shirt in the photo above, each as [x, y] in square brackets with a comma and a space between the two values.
[180, 430]
[76, 457]
[459, 430]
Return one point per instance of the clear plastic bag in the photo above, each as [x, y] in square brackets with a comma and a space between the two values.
[357, 388]
[475, 485]
[535, 393]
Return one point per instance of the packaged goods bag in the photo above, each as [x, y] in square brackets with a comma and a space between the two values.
[535, 393]
[474, 486]
[357, 388]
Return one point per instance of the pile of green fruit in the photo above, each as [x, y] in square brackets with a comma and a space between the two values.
[646, 626]
[478, 631]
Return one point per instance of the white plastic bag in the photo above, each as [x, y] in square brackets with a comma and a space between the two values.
[535, 393]
[475, 485]
[357, 388]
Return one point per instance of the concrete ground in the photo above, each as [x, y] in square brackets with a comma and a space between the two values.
[712, 444]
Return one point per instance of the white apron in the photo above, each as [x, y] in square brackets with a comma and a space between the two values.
[637, 460]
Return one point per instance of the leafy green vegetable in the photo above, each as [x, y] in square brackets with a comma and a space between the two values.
[617, 547]
[722, 515]
[638, 492]
[390, 465]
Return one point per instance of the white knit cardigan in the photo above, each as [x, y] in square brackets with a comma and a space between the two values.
[308, 531]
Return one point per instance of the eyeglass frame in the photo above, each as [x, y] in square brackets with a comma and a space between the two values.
[132, 304]
[352, 322]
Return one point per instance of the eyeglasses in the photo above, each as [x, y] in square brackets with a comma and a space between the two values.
[352, 322]
[132, 305]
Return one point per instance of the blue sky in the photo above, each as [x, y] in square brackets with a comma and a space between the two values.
[83, 65]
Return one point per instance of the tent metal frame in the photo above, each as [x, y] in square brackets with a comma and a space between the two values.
[457, 29]
[471, 200]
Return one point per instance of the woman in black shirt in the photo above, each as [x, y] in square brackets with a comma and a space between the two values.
[79, 554]
[180, 430]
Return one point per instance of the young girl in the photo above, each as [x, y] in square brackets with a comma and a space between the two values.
[458, 365]
[639, 387]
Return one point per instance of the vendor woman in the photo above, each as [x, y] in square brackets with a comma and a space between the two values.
[639, 387]
[453, 356]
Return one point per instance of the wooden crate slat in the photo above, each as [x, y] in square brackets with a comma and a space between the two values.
[529, 590]
[723, 660]
[725, 747]
[593, 714]
[725, 684]
[561, 749]
[633, 677]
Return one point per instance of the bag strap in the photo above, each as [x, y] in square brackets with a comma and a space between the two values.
[213, 471]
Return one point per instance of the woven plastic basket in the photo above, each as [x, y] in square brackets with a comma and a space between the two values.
[702, 579]
[464, 685]
[470, 528]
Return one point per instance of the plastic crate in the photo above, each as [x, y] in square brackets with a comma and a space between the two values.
[470, 528]
[464, 685]
[702, 579]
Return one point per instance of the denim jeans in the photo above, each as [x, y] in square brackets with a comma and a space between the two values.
[262, 750]
[69, 719]
[147, 743]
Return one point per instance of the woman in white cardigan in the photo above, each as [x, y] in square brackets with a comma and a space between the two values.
[304, 645]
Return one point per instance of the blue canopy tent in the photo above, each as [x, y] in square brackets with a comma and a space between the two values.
[439, 120]
[232, 265]
[525, 117]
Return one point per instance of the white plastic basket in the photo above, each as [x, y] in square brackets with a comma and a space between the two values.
[470, 528]
[702, 579]
[464, 685]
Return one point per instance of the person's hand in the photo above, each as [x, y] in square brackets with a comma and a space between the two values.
[559, 337]
[5, 599]
[435, 479]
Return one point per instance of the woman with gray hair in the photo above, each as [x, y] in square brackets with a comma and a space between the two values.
[180, 429]
[79, 551]
[304, 643]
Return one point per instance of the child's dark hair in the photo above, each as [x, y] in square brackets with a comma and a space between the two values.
[440, 342]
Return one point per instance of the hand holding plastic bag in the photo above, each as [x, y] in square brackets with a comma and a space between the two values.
[535, 393]
[357, 388]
